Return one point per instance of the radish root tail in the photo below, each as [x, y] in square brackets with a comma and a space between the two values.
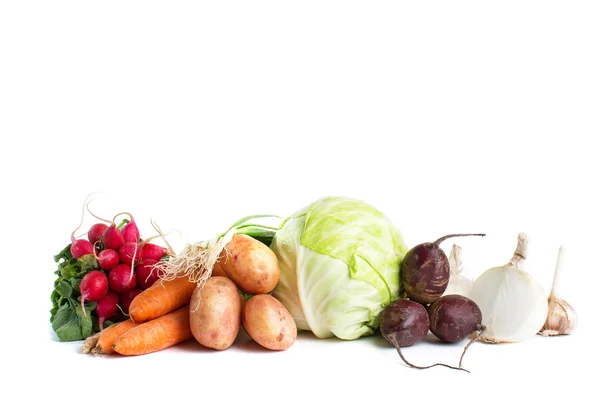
[133, 262]
[85, 205]
[94, 215]
[122, 213]
[83, 307]
[123, 311]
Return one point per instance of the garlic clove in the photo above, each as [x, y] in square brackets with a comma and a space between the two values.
[562, 318]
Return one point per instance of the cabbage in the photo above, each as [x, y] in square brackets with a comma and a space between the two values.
[340, 266]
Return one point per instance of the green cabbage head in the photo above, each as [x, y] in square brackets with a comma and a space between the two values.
[340, 267]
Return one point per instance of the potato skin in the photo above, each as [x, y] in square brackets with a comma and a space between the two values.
[269, 323]
[251, 264]
[215, 313]
[242, 303]
[218, 268]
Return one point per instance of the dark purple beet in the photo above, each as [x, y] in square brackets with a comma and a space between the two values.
[454, 317]
[425, 270]
[404, 323]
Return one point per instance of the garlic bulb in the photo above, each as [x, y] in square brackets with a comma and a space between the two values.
[513, 305]
[458, 283]
[562, 318]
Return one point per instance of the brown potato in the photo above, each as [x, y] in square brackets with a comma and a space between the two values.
[243, 302]
[218, 269]
[269, 323]
[250, 264]
[215, 313]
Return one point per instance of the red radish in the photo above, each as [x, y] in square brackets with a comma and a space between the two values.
[130, 253]
[153, 251]
[125, 299]
[112, 238]
[130, 231]
[121, 278]
[106, 307]
[96, 231]
[93, 287]
[80, 247]
[146, 274]
[108, 259]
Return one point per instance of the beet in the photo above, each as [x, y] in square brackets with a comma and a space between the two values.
[454, 317]
[403, 323]
[425, 270]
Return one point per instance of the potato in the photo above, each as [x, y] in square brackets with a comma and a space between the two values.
[218, 268]
[215, 313]
[243, 302]
[269, 323]
[250, 264]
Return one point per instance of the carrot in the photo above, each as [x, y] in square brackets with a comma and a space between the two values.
[110, 334]
[155, 335]
[161, 298]
[90, 343]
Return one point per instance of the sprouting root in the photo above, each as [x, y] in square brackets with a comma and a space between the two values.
[196, 261]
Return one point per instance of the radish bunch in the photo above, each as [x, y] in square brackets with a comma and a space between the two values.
[125, 266]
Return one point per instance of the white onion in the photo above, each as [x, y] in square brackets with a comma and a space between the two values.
[513, 305]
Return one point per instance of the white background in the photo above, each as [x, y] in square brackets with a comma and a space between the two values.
[447, 116]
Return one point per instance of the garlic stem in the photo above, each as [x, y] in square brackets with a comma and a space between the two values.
[455, 260]
[520, 252]
[562, 318]
[557, 270]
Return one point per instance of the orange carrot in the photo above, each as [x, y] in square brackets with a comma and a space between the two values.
[110, 334]
[155, 335]
[161, 298]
